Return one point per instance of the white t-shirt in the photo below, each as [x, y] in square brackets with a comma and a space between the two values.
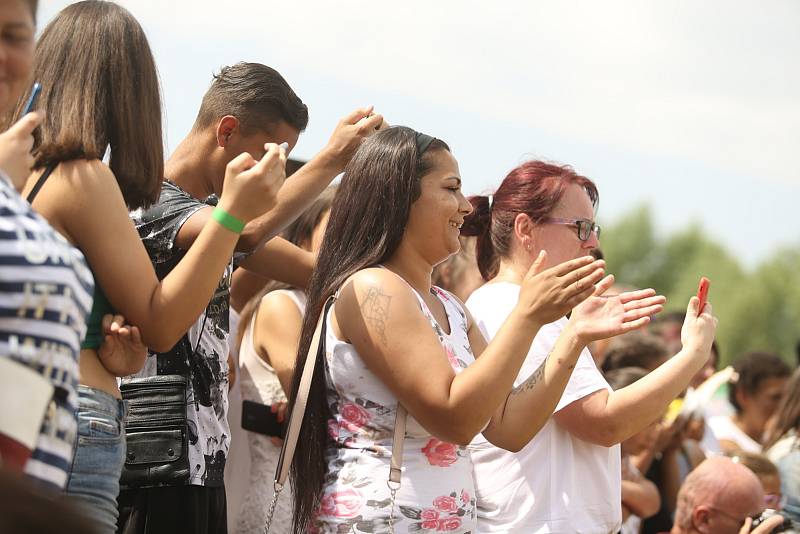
[723, 428]
[557, 483]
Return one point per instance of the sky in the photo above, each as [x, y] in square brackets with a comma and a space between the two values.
[690, 107]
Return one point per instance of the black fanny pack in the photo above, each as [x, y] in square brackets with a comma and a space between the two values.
[155, 431]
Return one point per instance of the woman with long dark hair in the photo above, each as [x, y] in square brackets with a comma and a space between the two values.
[100, 93]
[392, 338]
[568, 478]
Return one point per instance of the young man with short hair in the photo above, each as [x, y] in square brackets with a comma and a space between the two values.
[247, 106]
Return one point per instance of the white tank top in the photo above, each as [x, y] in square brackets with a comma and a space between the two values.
[258, 376]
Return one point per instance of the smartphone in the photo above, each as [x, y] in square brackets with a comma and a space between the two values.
[37, 88]
[257, 417]
[702, 293]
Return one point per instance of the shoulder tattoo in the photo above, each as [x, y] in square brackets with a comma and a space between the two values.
[375, 309]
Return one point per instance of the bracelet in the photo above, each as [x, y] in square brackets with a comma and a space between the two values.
[227, 220]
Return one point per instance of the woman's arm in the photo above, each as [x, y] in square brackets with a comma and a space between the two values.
[277, 335]
[304, 186]
[96, 218]
[607, 418]
[641, 497]
[530, 405]
[380, 315]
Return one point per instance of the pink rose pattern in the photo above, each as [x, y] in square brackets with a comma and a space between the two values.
[356, 426]
[345, 503]
[446, 515]
[441, 453]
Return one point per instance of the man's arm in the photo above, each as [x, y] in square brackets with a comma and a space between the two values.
[301, 189]
[280, 260]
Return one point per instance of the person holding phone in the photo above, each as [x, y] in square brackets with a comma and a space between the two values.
[94, 48]
[270, 333]
[18, 22]
[567, 479]
[36, 259]
[392, 338]
[38, 438]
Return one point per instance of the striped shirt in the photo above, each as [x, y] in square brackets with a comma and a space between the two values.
[45, 296]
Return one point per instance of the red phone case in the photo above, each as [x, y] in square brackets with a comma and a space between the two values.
[702, 293]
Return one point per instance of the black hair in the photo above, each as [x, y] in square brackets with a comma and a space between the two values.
[255, 94]
[366, 225]
[752, 369]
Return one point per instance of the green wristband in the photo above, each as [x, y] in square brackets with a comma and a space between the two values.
[227, 220]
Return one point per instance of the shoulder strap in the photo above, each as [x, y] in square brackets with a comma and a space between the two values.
[299, 410]
[39, 183]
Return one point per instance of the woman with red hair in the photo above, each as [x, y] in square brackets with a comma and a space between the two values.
[567, 478]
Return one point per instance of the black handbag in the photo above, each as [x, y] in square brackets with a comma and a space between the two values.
[155, 431]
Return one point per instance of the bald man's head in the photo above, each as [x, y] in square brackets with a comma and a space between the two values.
[717, 497]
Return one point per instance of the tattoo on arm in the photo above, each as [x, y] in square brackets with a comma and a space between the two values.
[532, 380]
[375, 309]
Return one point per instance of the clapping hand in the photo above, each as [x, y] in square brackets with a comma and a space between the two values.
[602, 316]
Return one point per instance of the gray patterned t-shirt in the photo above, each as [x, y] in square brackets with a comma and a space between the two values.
[207, 392]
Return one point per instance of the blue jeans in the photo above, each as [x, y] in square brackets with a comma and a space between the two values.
[93, 482]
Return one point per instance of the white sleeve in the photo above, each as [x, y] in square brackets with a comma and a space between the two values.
[585, 380]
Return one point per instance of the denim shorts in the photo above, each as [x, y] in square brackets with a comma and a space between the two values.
[93, 482]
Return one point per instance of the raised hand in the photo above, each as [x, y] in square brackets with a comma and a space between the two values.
[547, 295]
[350, 132]
[251, 187]
[603, 316]
[123, 352]
[16, 143]
[697, 332]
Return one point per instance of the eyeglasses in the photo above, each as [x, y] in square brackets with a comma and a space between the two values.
[585, 228]
[739, 521]
[775, 501]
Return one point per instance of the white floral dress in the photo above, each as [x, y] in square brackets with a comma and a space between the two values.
[437, 492]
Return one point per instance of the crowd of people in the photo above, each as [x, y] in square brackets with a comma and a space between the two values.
[434, 362]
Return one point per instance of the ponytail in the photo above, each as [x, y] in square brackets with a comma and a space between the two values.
[479, 223]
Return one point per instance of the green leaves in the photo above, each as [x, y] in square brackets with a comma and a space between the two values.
[757, 310]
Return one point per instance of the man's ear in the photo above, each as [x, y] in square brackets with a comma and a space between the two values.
[742, 398]
[701, 516]
[226, 127]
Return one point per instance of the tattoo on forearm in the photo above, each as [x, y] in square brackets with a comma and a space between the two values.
[532, 380]
[375, 309]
